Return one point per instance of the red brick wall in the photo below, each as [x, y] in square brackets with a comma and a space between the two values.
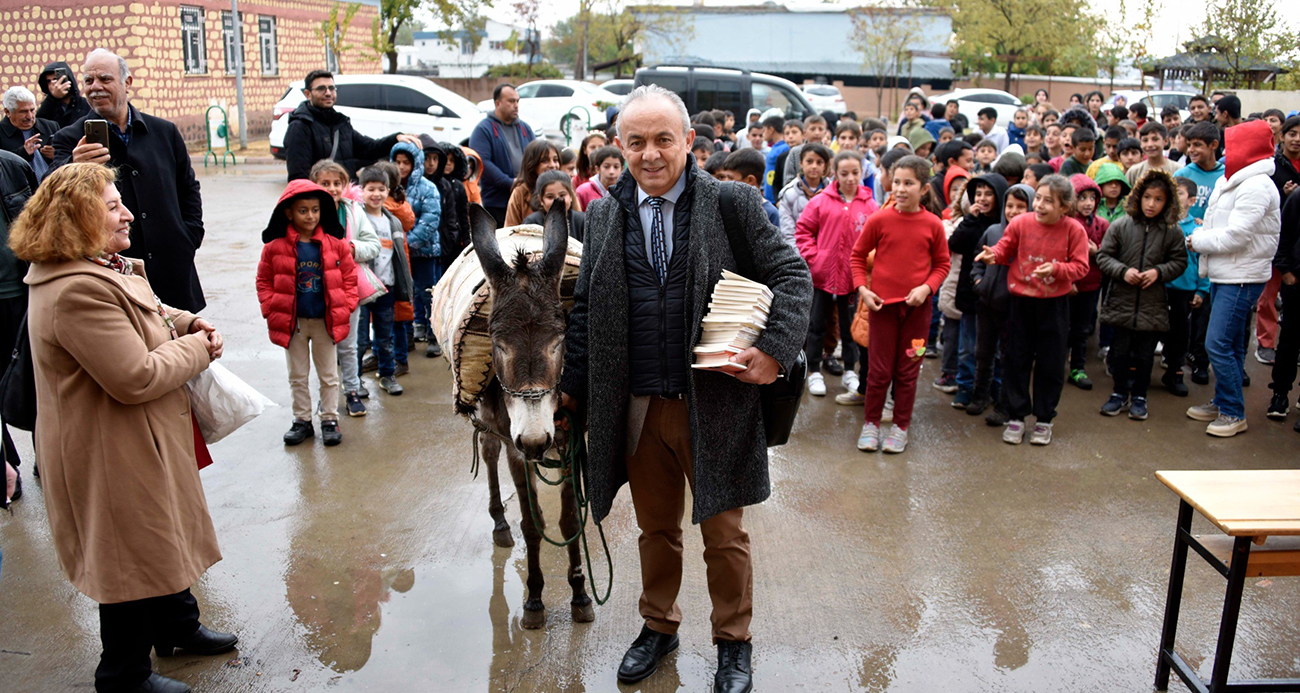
[148, 35]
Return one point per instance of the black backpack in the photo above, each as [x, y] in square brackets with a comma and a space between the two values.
[18, 386]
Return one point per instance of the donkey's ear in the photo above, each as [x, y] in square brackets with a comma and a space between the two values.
[483, 235]
[556, 241]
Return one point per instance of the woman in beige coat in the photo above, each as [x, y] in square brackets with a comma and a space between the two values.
[114, 434]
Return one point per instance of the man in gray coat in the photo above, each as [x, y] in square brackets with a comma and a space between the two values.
[654, 249]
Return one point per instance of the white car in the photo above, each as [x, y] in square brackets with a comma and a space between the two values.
[971, 101]
[622, 87]
[1155, 101]
[825, 97]
[550, 102]
[380, 105]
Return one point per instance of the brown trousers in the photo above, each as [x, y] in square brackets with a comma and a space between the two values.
[658, 473]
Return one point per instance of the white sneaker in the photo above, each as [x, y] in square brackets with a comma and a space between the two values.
[1014, 433]
[869, 439]
[887, 414]
[816, 385]
[850, 398]
[1226, 426]
[896, 441]
[850, 381]
[1042, 434]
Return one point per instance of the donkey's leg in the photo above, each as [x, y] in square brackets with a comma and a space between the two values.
[534, 610]
[491, 454]
[581, 606]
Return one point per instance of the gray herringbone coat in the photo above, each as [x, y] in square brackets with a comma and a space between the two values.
[727, 440]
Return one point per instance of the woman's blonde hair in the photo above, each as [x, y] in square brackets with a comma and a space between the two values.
[64, 220]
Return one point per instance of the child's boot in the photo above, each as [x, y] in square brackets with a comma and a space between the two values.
[1173, 380]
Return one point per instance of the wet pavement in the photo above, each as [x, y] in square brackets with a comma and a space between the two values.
[963, 565]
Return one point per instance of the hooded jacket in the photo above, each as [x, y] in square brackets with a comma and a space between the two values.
[1137, 242]
[991, 280]
[1107, 173]
[312, 135]
[1094, 226]
[919, 138]
[425, 201]
[475, 163]
[449, 226]
[488, 139]
[64, 114]
[792, 201]
[825, 235]
[453, 243]
[964, 241]
[277, 271]
[1239, 239]
[952, 174]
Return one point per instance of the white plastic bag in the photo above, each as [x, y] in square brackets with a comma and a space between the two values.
[223, 402]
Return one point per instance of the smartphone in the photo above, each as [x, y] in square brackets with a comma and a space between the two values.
[97, 132]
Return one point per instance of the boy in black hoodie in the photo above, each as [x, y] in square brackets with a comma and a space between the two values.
[457, 236]
[986, 194]
[63, 103]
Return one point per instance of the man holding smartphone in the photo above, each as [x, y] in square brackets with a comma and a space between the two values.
[63, 103]
[22, 133]
[154, 173]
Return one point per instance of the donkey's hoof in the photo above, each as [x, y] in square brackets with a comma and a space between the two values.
[533, 618]
[503, 538]
[584, 613]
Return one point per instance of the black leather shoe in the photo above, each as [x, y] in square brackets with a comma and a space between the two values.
[156, 683]
[642, 658]
[203, 642]
[735, 675]
[298, 432]
[330, 432]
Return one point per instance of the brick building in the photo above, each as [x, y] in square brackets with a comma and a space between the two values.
[181, 52]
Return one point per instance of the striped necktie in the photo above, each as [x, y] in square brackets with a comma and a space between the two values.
[658, 243]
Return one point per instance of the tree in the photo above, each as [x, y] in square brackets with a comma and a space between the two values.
[992, 35]
[612, 33]
[333, 30]
[528, 12]
[1246, 33]
[406, 35]
[1141, 35]
[884, 36]
[395, 16]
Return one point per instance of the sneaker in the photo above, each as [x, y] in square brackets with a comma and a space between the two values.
[997, 417]
[390, 385]
[1203, 412]
[850, 398]
[816, 385]
[833, 366]
[1201, 376]
[896, 441]
[962, 400]
[887, 414]
[1173, 381]
[1042, 434]
[1080, 379]
[1266, 355]
[978, 404]
[931, 350]
[1102, 352]
[355, 406]
[1116, 404]
[330, 432]
[1138, 409]
[433, 350]
[1226, 426]
[362, 392]
[946, 383]
[850, 381]
[869, 438]
[1014, 433]
[402, 369]
[1279, 407]
[421, 333]
[369, 363]
[298, 432]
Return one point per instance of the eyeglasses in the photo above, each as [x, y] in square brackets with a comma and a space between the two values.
[325, 88]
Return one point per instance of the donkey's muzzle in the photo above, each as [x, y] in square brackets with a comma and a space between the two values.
[534, 446]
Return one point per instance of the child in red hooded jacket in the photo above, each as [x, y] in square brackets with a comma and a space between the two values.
[307, 286]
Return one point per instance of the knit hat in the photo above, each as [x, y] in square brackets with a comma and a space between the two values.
[1245, 144]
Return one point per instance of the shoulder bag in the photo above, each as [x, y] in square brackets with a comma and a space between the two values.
[18, 386]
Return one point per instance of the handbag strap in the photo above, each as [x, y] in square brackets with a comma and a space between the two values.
[740, 247]
[22, 335]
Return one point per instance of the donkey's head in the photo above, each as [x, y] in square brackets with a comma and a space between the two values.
[527, 327]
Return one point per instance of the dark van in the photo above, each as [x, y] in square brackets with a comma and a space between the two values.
[726, 89]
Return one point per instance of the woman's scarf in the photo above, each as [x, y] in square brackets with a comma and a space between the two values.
[123, 266]
[809, 192]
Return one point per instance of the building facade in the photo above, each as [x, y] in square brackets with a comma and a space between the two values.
[453, 55]
[182, 53]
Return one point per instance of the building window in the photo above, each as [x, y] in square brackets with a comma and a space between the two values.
[193, 42]
[234, 51]
[497, 45]
[266, 45]
[466, 46]
[331, 60]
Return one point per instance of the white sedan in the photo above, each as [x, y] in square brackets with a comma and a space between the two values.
[825, 97]
[550, 102]
[971, 101]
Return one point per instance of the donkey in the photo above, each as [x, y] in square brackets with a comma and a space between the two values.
[527, 330]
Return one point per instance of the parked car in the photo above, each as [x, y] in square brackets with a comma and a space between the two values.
[622, 87]
[971, 101]
[825, 97]
[727, 89]
[550, 102]
[1155, 101]
[380, 105]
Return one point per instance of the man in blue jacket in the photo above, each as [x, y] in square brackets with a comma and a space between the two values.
[500, 139]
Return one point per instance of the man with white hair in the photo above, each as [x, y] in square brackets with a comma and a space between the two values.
[154, 176]
[22, 133]
[654, 249]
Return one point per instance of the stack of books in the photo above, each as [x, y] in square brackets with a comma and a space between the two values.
[737, 315]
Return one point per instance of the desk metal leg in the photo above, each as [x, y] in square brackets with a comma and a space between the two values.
[1175, 597]
[1231, 609]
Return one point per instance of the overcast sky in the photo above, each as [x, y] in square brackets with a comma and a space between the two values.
[1176, 21]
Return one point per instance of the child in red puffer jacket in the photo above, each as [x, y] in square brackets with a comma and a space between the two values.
[307, 285]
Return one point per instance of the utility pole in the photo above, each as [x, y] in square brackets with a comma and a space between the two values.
[239, 72]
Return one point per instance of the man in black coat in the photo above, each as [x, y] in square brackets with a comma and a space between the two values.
[317, 131]
[154, 176]
[26, 135]
[63, 103]
[654, 249]
[17, 183]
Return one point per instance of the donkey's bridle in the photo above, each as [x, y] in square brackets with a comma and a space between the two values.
[532, 394]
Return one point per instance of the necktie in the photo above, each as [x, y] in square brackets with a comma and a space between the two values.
[658, 243]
